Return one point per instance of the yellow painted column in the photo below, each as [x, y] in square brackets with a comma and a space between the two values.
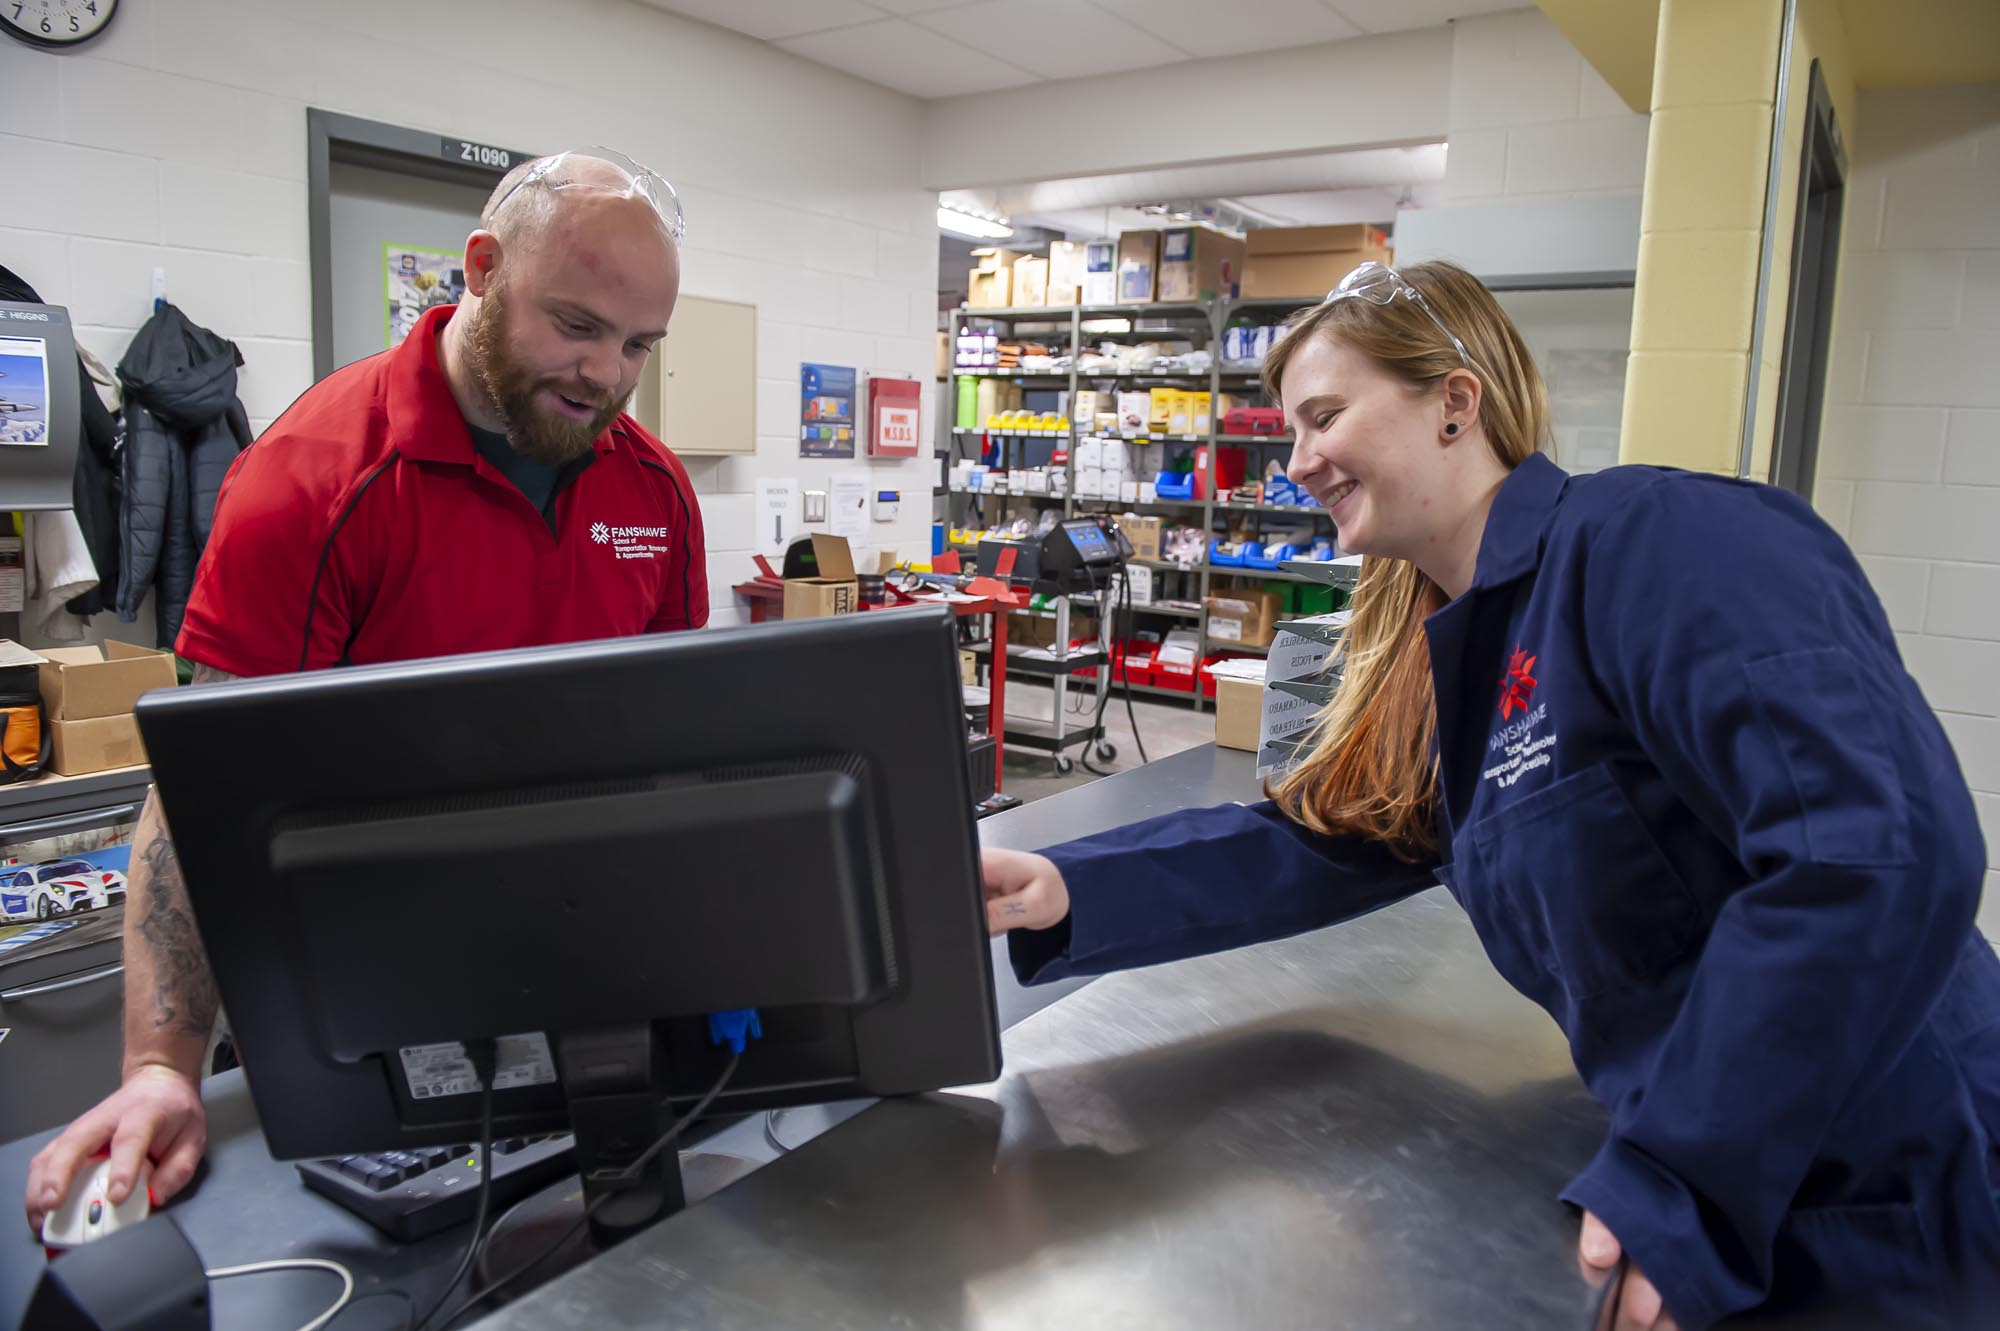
[1701, 226]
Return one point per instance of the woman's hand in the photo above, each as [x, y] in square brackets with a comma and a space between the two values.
[1639, 1305]
[1023, 891]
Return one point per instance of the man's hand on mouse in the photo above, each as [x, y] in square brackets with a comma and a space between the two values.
[1640, 1307]
[157, 1113]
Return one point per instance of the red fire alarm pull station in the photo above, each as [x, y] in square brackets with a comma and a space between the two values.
[895, 410]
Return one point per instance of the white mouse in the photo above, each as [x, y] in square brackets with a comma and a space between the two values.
[87, 1213]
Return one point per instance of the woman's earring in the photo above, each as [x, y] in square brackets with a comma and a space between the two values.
[1451, 428]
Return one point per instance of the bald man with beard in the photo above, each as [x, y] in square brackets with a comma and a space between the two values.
[477, 488]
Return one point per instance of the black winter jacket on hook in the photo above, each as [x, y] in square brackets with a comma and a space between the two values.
[183, 427]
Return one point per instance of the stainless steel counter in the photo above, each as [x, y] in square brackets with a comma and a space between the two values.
[1360, 1128]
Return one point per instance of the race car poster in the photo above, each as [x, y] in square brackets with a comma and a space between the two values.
[417, 279]
[826, 411]
[46, 881]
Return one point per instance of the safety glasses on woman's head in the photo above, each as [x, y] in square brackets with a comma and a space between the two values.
[640, 182]
[1378, 284]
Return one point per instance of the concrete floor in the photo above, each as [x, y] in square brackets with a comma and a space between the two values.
[1166, 727]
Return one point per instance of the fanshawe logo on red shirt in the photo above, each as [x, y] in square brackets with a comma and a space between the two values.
[631, 542]
[1519, 684]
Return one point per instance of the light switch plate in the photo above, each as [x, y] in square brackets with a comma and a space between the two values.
[815, 506]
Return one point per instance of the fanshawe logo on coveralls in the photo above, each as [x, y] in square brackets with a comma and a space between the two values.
[630, 542]
[1515, 746]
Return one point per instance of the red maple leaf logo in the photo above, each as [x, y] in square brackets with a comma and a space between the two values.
[1519, 685]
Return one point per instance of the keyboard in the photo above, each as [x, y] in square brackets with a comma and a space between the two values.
[409, 1195]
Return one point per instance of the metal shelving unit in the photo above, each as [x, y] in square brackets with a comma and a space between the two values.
[1202, 319]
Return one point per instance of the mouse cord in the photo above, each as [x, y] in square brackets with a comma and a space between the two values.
[297, 1264]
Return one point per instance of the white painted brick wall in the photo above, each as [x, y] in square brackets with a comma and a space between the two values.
[1909, 464]
[1531, 119]
[178, 140]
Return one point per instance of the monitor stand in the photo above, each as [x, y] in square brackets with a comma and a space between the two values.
[615, 1081]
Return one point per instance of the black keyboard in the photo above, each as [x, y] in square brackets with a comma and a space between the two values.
[411, 1194]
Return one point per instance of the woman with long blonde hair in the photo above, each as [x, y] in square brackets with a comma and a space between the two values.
[1652, 731]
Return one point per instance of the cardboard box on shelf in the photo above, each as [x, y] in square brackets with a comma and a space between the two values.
[1307, 261]
[1199, 413]
[82, 683]
[1066, 271]
[1144, 534]
[829, 592]
[1114, 455]
[1100, 272]
[1239, 707]
[990, 283]
[1160, 411]
[1031, 282]
[1247, 617]
[1140, 578]
[1199, 263]
[1180, 416]
[96, 744]
[1089, 453]
[1089, 483]
[1089, 404]
[1138, 266]
[1309, 239]
[1038, 628]
[1135, 409]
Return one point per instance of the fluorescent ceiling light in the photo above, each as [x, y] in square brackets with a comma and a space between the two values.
[972, 227]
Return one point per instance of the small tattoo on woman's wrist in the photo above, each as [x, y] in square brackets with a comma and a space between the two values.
[1016, 908]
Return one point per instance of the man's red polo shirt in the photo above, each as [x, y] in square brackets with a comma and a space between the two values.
[363, 527]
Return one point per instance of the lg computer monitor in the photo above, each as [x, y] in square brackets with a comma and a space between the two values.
[40, 415]
[587, 848]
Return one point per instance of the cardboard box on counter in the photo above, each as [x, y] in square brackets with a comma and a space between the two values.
[89, 694]
[1199, 263]
[1239, 708]
[95, 745]
[1248, 617]
[1307, 261]
[832, 591]
[80, 683]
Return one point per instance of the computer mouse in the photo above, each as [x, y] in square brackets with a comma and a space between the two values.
[87, 1213]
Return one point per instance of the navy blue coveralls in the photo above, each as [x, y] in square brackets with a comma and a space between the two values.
[1697, 810]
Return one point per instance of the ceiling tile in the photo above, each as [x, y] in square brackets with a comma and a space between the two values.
[918, 6]
[1207, 28]
[1058, 39]
[1398, 15]
[772, 19]
[898, 54]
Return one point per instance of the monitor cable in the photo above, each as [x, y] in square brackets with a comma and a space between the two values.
[482, 1054]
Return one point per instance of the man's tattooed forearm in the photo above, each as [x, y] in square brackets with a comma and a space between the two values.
[183, 990]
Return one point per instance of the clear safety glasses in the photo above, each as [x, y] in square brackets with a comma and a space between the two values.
[1379, 284]
[640, 182]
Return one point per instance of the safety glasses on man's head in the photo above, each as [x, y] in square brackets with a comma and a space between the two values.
[639, 181]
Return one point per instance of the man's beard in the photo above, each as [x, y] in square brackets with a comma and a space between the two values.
[536, 433]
